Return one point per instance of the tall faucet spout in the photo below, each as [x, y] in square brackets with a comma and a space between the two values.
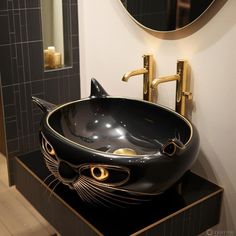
[148, 75]
[164, 79]
[134, 73]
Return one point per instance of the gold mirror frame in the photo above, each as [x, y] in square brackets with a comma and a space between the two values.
[187, 30]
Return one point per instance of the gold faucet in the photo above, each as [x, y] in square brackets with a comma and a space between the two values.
[164, 79]
[148, 75]
[182, 91]
[133, 73]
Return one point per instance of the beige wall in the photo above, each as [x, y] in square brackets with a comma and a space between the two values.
[112, 44]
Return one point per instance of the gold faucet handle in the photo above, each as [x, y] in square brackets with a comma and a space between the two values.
[188, 95]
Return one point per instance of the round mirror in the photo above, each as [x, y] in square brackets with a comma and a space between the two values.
[168, 15]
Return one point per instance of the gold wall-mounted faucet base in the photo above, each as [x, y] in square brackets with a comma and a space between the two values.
[149, 83]
[182, 85]
[148, 75]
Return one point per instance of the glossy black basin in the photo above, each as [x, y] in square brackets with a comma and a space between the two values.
[116, 151]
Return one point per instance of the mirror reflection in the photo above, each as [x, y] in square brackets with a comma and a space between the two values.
[166, 15]
[56, 33]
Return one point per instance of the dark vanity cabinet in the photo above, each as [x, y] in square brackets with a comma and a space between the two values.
[192, 212]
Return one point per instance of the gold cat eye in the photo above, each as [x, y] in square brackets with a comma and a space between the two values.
[47, 146]
[49, 149]
[99, 173]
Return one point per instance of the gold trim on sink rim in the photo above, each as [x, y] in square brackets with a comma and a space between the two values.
[111, 97]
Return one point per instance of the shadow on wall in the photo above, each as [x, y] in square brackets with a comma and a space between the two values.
[204, 167]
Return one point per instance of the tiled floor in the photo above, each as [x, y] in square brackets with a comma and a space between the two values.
[17, 216]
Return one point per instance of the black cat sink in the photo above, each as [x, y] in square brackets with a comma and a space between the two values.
[116, 151]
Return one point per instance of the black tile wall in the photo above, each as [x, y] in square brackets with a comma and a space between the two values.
[33, 3]
[35, 62]
[23, 76]
[4, 26]
[3, 5]
[5, 65]
[34, 22]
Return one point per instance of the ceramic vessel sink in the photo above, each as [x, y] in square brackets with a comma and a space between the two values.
[116, 151]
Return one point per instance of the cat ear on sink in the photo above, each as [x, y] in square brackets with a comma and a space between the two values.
[44, 106]
[97, 91]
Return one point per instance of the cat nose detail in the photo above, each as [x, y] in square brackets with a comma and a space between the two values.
[66, 172]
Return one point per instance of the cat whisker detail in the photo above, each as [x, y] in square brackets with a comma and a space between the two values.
[53, 189]
[112, 188]
[45, 180]
[92, 198]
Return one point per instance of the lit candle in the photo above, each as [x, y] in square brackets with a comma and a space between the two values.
[51, 49]
[46, 58]
[51, 52]
[57, 60]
